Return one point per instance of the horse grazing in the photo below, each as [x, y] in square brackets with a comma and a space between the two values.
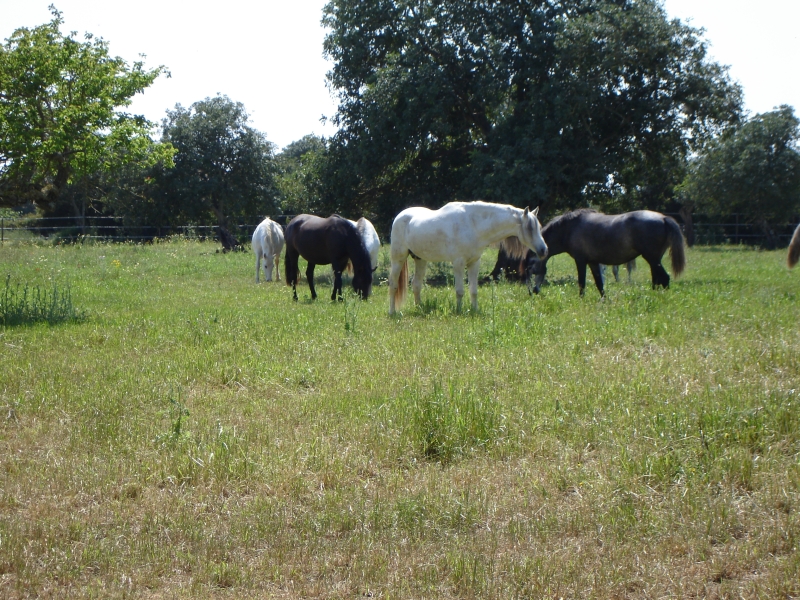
[592, 238]
[794, 249]
[513, 269]
[458, 232]
[268, 244]
[333, 241]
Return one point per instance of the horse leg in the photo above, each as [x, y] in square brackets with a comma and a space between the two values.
[258, 265]
[290, 264]
[267, 268]
[277, 267]
[458, 276]
[337, 285]
[394, 282]
[581, 276]
[472, 273]
[419, 277]
[615, 270]
[599, 277]
[310, 277]
[659, 275]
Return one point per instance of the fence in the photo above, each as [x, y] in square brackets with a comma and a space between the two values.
[112, 229]
[709, 230]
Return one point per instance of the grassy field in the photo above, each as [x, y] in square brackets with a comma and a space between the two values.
[195, 435]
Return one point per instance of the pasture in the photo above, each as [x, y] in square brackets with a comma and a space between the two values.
[195, 435]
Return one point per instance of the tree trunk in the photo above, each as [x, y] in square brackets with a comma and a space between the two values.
[688, 226]
[770, 238]
[229, 242]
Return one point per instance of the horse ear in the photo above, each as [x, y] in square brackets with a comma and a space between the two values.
[535, 211]
[526, 211]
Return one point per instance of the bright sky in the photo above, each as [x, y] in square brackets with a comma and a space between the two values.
[268, 54]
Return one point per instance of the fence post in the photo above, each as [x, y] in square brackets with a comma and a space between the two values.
[2, 230]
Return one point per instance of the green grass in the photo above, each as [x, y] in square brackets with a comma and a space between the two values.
[195, 435]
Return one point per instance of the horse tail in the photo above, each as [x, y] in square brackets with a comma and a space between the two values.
[794, 249]
[676, 246]
[402, 285]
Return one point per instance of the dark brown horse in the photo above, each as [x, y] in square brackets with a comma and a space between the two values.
[333, 241]
[592, 238]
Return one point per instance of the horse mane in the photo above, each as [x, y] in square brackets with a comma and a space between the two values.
[514, 248]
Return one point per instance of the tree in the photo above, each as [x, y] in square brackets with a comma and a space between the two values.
[530, 102]
[223, 167]
[299, 175]
[753, 170]
[59, 112]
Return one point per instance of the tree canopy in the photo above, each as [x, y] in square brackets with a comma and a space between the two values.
[223, 167]
[753, 170]
[60, 116]
[530, 102]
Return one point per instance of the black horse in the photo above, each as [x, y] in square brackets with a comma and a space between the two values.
[592, 238]
[514, 269]
[333, 241]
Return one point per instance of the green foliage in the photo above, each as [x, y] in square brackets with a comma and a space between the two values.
[223, 167]
[555, 104]
[299, 176]
[59, 112]
[753, 170]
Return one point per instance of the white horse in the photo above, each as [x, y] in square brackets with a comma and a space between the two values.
[458, 232]
[371, 240]
[268, 244]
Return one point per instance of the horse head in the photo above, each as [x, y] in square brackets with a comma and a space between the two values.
[538, 268]
[531, 231]
[362, 281]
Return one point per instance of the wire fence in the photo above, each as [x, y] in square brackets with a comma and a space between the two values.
[708, 230]
[113, 229]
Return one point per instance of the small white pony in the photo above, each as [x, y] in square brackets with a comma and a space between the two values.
[268, 244]
[371, 240]
[458, 232]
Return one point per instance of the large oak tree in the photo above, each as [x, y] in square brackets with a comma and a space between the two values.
[527, 102]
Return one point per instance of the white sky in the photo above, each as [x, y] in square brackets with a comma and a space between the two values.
[268, 54]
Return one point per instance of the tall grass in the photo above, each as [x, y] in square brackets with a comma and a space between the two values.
[195, 435]
[22, 304]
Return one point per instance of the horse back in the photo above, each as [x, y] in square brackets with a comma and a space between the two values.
[321, 241]
[618, 239]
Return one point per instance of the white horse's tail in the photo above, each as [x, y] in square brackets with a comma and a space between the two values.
[402, 285]
[349, 268]
[794, 249]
